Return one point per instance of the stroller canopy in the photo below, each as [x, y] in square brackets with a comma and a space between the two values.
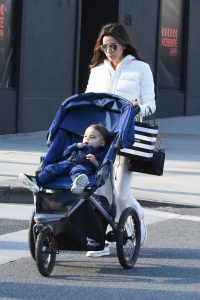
[78, 112]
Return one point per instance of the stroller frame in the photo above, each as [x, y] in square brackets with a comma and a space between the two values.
[49, 225]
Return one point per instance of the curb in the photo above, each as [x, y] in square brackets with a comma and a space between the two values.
[10, 194]
[19, 195]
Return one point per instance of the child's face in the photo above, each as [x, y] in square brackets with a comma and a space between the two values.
[93, 138]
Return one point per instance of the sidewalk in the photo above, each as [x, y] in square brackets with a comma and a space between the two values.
[179, 184]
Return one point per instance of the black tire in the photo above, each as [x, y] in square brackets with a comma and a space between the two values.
[31, 241]
[128, 238]
[45, 253]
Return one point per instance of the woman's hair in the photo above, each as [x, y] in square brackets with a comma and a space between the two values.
[119, 33]
[103, 131]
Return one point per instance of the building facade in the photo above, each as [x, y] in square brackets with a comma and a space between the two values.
[46, 47]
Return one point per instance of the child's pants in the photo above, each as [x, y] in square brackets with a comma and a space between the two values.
[65, 167]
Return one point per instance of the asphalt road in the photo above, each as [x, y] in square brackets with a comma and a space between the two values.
[168, 266]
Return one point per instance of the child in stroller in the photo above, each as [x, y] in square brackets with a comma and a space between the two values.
[63, 220]
[80, 160]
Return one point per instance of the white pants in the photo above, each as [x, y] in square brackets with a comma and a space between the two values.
[122, 183]
[123, 180]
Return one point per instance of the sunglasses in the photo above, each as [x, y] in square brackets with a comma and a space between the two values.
[112, 47]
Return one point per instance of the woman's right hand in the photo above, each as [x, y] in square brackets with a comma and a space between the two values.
[136, 106]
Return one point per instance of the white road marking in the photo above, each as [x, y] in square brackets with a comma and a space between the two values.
[13, 246]
[154, 216]
[15, 211]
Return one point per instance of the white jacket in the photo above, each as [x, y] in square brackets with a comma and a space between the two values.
[132, 79]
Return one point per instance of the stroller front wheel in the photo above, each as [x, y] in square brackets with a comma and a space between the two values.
[31, 241]
[128, 238]
[45, 253]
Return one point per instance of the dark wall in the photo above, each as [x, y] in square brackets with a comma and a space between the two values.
[8, 108]
[140, 18]
[48, 59]
[193, 65]
[54, 46]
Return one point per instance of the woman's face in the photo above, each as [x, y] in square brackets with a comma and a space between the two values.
[113, 50]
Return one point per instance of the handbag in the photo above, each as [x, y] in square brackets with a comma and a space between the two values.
[154, 166]
[145, 139]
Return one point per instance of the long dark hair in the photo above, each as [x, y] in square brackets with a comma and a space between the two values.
[119, 33]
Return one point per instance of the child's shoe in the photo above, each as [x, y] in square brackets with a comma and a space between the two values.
[79, 184]
[30, 182]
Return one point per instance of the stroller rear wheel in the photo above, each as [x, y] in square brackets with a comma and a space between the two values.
[45, 253]
[128, 238]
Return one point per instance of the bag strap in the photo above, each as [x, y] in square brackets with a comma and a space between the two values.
[149, 116]
[159, 142]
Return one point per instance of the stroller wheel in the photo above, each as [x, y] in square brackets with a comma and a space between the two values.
[45, 253]
[31, 241]
[128, 238]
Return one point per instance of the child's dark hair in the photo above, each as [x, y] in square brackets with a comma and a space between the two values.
[103, 131]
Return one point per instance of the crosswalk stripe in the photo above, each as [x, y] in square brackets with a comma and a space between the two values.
[15, 211]
[13, 246]
[153, 216]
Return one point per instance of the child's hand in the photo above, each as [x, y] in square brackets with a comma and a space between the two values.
[80, 145]
[92, 159]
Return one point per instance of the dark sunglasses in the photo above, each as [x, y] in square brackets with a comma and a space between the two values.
[112, 47]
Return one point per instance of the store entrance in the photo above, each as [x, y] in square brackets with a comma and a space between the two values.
[95, 14]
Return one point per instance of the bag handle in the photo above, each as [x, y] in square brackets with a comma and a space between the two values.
[150, 114]
[148, 117]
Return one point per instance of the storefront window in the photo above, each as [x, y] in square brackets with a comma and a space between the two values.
[6, 43]
[171, 44]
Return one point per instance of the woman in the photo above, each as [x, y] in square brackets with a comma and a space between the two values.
[117, 68]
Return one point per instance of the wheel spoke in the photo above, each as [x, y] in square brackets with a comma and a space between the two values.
[128, 238]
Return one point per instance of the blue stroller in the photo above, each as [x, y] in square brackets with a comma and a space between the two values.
[60, 218]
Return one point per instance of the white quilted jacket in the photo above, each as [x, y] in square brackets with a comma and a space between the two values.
[132, 80]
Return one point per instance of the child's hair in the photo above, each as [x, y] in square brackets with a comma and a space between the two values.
[103, 131]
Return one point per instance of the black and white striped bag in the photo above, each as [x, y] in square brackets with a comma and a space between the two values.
[145, 139]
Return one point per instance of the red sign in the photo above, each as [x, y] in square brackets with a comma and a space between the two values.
[169, 37]
[2, 21]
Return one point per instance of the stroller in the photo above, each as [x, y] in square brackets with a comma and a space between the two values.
[60, 218]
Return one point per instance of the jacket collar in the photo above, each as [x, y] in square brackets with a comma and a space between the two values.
[126, 60]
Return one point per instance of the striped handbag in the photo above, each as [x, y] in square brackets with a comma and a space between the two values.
[145, 139]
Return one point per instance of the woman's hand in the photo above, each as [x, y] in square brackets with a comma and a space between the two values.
[135, 102]
[136, 106]
[92, 159]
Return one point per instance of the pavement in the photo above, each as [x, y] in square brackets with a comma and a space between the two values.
[179, 184]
